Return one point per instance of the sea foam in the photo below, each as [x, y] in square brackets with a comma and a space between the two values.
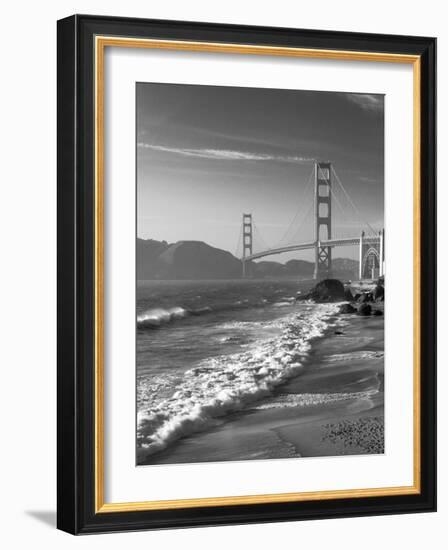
[158, 316]
[312, 399]
[228, 383]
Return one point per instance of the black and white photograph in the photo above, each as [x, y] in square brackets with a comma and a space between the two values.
[236, 205]
[260, 273]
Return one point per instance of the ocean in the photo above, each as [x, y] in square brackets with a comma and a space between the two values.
[209, 349]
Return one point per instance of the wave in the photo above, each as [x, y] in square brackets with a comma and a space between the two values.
[354, 356]
[229, 383]
[155, 317]
[158, 316]
[309, 399]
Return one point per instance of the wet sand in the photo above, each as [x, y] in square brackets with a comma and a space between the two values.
[335, 407]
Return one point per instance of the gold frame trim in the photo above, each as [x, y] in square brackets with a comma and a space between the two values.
[101, 42]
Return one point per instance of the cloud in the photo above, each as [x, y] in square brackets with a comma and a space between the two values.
[223, 154]
[369, 180]
[368, 102]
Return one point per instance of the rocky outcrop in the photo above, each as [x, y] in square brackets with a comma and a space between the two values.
[365, 298]
[347, 308]
[328, 290]
[364, 310]
[378, 293]
[364, 302]
[348, 294]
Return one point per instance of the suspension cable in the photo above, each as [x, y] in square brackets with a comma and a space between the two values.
[240, 234]
[299, 212]
[259, 237]
[351, 202]
[333, 194]
[302, 221]
[360, 218]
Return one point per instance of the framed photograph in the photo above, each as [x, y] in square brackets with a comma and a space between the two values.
[246, 274]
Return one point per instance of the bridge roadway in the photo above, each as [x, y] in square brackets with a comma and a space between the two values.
[305, 246]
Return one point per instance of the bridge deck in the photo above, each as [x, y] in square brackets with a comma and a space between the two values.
[306, 246]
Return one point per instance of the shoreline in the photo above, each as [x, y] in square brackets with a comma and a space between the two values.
[330, 409]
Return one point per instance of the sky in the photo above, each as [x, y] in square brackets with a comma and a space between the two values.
[206, 154]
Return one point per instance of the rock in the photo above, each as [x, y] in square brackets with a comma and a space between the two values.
[328, 290]
[378, 293]
[364, 309]
[348, 294]
[377, 312]
[347, 308]
[365, 297]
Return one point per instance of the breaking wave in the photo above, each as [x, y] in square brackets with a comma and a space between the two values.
[354, 356]
[159, 316]
[228, 383]
[310, 399]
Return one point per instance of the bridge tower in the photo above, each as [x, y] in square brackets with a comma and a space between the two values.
[247, 241]
[322, 219]
[371, 256]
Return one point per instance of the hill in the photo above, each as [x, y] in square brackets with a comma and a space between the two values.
[198, 260]
[184, 260]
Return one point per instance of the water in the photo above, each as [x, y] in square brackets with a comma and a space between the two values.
[208, 348]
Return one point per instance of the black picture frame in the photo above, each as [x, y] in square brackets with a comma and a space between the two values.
[76, 511]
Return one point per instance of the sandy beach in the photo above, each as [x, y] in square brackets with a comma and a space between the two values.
[334, 407]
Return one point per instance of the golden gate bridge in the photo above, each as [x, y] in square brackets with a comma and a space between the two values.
[320, 213]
